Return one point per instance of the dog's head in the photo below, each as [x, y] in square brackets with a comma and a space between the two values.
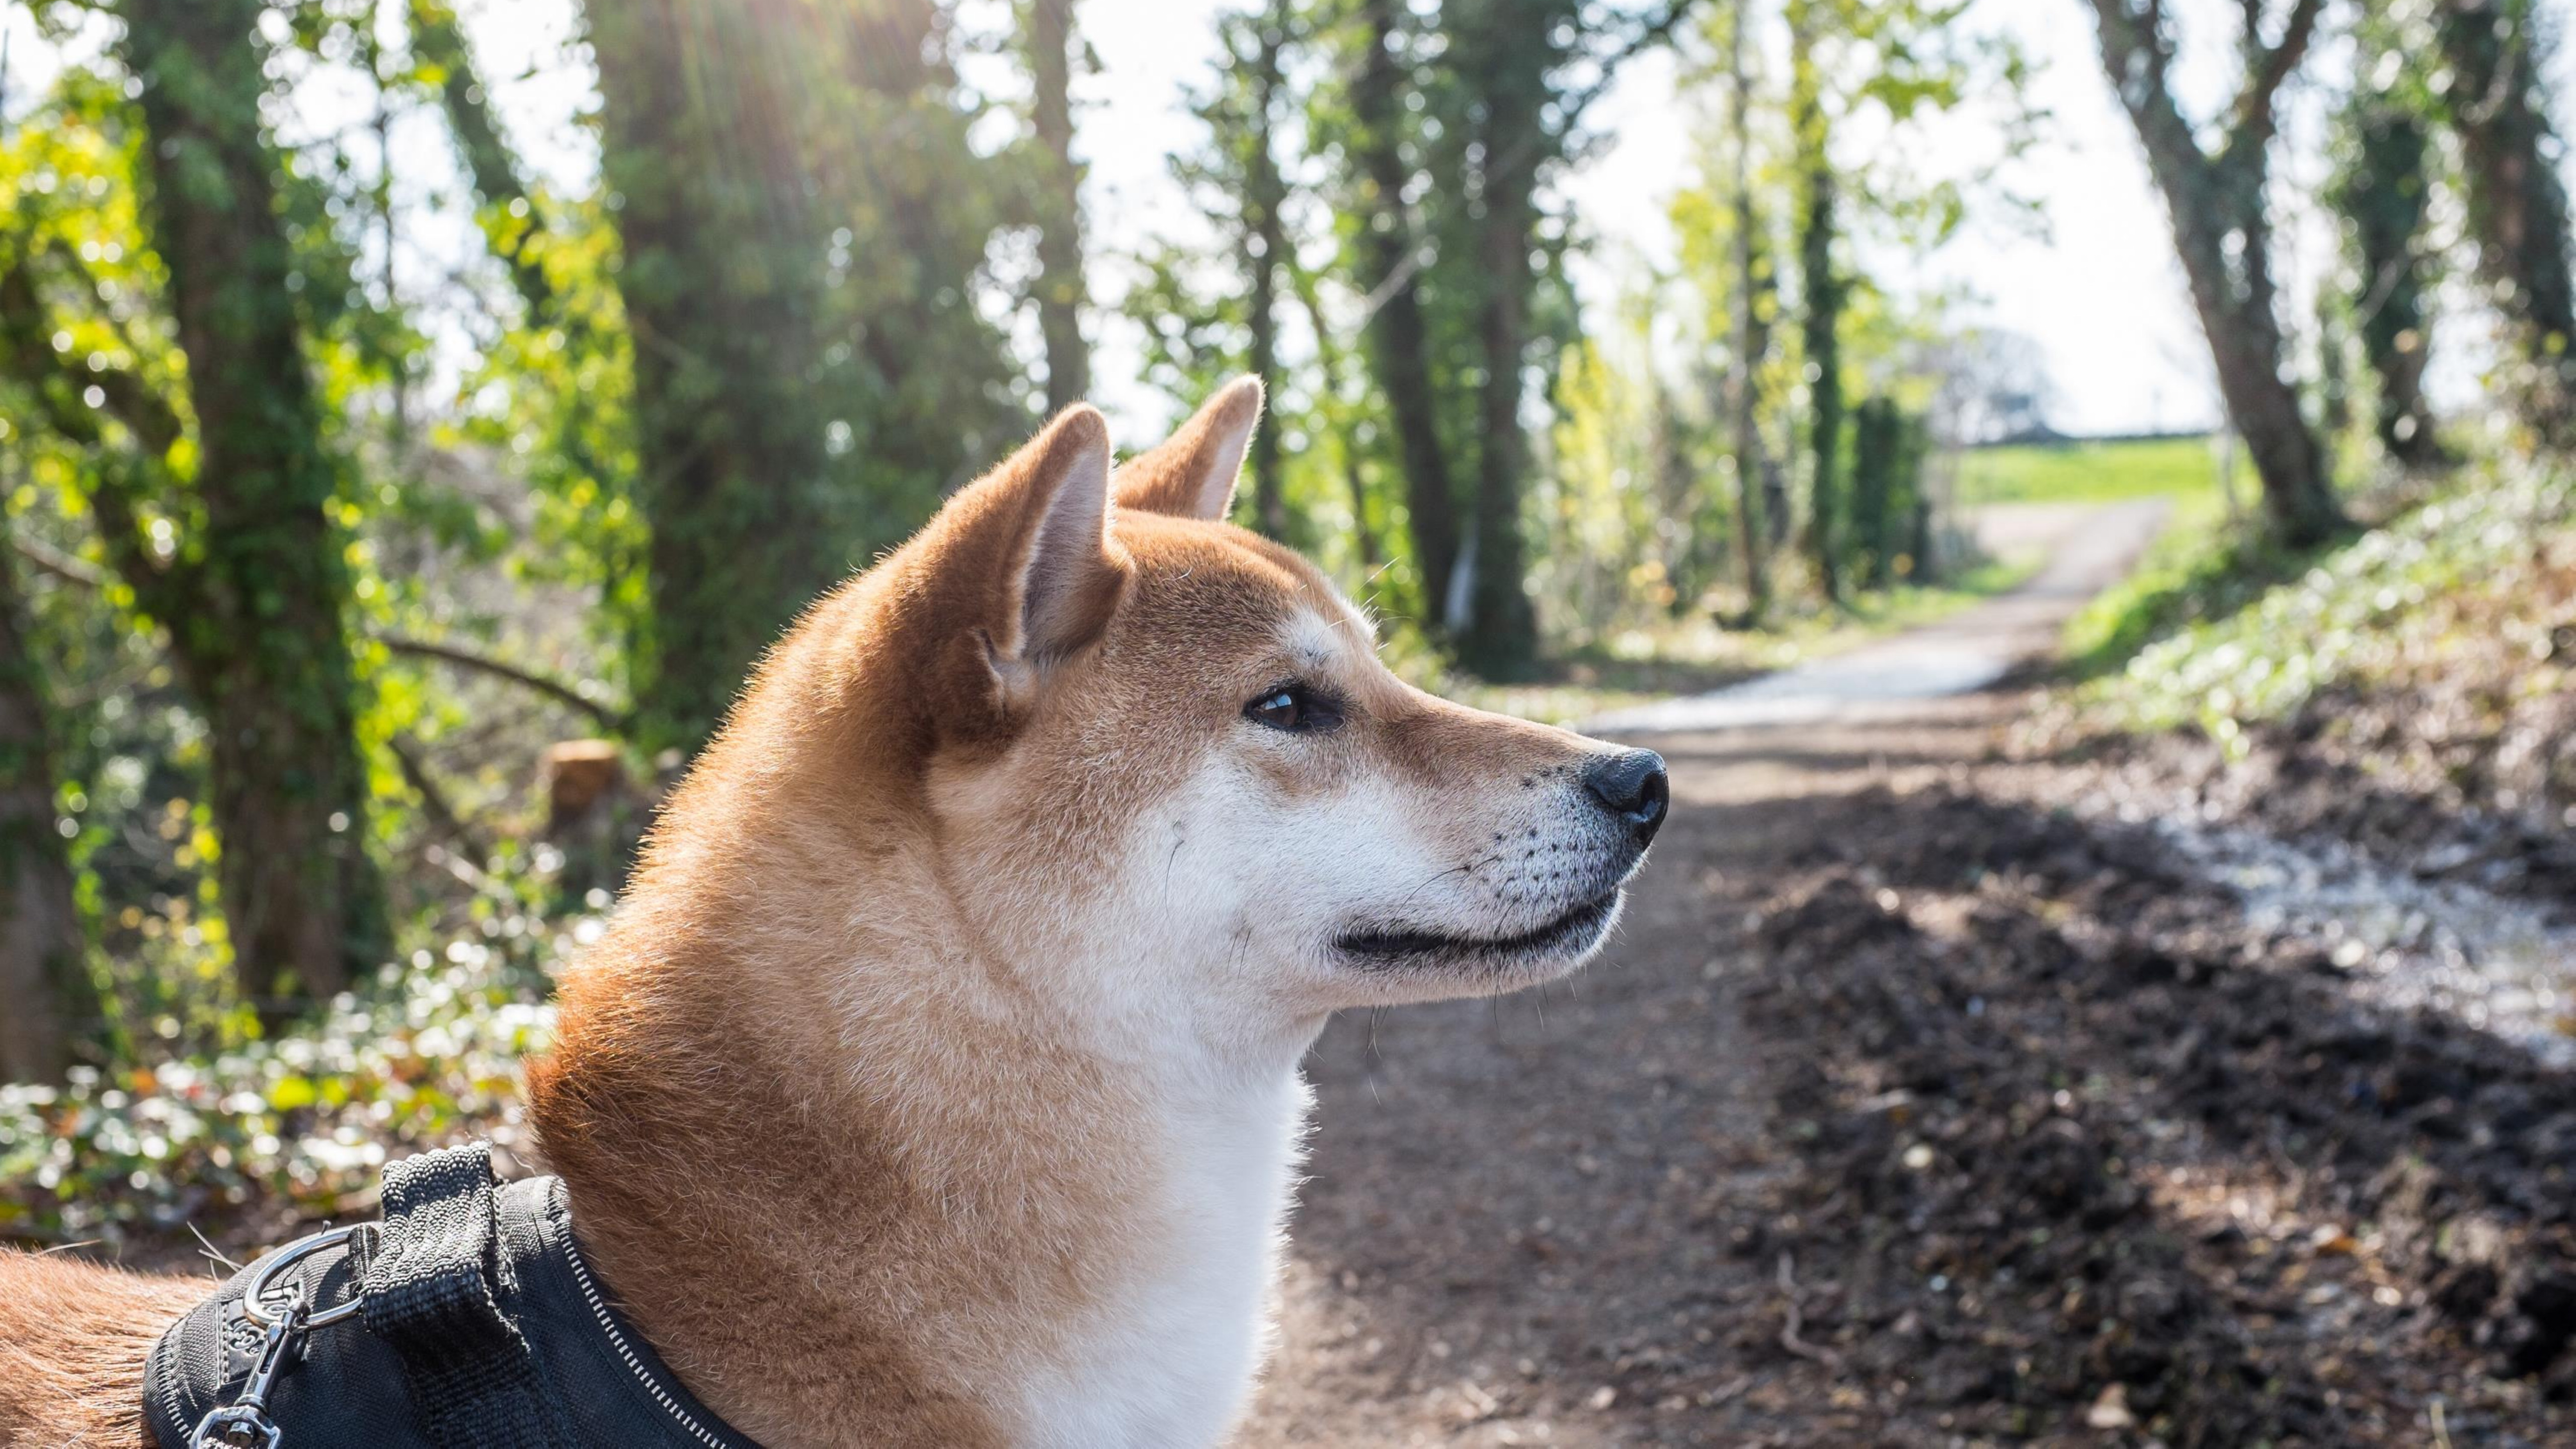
[1162, 751]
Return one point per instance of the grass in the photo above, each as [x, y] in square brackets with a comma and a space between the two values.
[2081, 472]
[2204, 567]
[1694, 656]
[2219, 633]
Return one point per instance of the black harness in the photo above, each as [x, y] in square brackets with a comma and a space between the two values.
[467, 1320]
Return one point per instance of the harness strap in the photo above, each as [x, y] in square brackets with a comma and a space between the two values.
[428, 1294]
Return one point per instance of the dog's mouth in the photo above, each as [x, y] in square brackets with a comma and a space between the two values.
[1576, 931]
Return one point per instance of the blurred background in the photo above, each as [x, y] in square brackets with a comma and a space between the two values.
[2081, 489]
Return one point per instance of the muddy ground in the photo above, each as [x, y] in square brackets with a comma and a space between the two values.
[1950, 1084]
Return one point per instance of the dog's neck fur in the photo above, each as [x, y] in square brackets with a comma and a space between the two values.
[864, 1177]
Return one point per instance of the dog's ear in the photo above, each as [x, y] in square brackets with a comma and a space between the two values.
[1025, 549]
[1192, 474]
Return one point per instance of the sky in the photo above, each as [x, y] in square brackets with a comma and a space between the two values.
[2097, 288]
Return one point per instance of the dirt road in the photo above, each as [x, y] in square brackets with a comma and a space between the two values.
[1912, 1108]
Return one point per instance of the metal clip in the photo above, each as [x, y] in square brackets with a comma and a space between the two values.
[246, 1425]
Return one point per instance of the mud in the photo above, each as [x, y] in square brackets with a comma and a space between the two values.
[2089, 1151]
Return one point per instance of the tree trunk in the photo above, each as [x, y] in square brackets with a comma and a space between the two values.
[2382, 196]
[1751, 340]
[1821, 303]
[1330, 361]
[43, 978]
[1400, 350]
[723, 285]
[262, 637]
[510, 220]
[2222, 232]
[1265, 243]
[2517, 201]
[1874, 444]
[1502, 631]
[1060, 292]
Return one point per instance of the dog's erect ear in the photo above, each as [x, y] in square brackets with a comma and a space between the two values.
[1028, 543]
[1067, 583]
[1192, 474]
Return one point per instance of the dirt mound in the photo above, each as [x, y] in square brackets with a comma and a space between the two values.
[2082, 1151]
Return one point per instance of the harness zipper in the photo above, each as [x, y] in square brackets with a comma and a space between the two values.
[626, 1351]
[173, 1396]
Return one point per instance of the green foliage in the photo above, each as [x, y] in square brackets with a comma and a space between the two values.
[2219, 631]
[817, 371]
[1886, 71]
[424, 1054]
[2497, 98]
[1210, 312]
[2384, 176]
[2205, 566]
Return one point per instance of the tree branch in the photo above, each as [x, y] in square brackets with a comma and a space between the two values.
[2268, 69]
[1656, 32]
[608, 716]
[1571, 108]
[81, 575]
[2158, 51]
[434, 801]
[130, 399]
[493, 167]
[58, 565]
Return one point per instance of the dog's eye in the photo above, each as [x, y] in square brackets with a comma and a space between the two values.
[1293, 708]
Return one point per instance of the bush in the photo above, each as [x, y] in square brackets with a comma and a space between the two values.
[424, 1055]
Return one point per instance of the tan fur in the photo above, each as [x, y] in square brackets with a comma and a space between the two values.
[73, 1337]
[834, 1121]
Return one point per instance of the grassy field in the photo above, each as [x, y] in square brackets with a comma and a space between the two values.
[2201, 562]
[2079, 472]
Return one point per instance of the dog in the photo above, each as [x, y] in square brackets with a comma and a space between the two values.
[936, 1081]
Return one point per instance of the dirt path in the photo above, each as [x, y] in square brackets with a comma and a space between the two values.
[1839, 1145]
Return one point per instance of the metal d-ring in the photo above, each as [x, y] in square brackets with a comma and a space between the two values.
[254, 1304]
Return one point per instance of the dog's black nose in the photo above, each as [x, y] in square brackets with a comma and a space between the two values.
[1631, 785]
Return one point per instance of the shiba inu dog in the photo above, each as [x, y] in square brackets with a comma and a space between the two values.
[936, 1082]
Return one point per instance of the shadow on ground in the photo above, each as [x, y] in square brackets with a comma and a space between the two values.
[1908, 1115]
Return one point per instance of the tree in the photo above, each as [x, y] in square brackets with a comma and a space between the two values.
[1047, 26]
[1901, 59]
[1989, 386]
[2517, 200]
[1751, 330]
[1390, 269]
[235, 553]
[1820, 289]
[508, 212]
[2222, 226]
[2381, 188]
[811, 372]
[1503, 52]
[1212, 313]
[42, 975]
[723, 238]
[1257, 44]
[1332, 368]
[1890, 517]
[1513, 104]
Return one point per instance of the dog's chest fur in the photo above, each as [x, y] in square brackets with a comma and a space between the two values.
[1171, 1358]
